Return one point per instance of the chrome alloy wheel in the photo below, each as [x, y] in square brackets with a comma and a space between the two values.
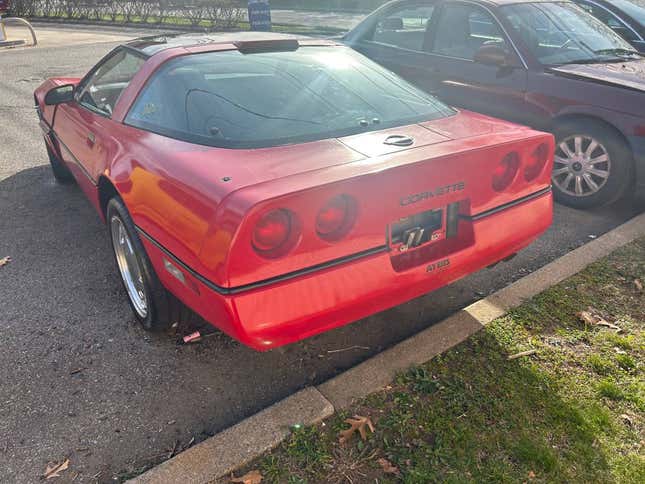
[582, 166]
[129, 267]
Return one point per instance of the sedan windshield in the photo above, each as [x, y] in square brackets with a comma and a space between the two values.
[235, 100]
[562, 33]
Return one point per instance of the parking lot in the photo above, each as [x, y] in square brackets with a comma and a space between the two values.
[82, 380]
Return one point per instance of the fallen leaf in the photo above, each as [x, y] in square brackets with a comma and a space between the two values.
[54, 470]
[523, 353]
[627, 419]
[588, 318]
[607, 324]
[637, 283]
[388, 467]
[357, 424]
[253, 477]
[4, 261]
[531, 475]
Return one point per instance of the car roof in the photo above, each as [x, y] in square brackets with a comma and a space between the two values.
[158, 43]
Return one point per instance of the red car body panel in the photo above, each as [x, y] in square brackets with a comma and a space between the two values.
[196, 207]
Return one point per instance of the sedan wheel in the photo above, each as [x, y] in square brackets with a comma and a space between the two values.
[593, 164]
[129, 267]
[582, 166]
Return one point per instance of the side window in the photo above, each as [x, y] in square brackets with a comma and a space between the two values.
[102, 90]
[610, 20]
[405, 28]
[463, 29]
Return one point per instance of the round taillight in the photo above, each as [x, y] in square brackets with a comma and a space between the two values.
[505, 172]
[272, 231]
[537, 161]
[335, 218]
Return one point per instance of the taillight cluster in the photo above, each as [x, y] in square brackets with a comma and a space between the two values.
[506, 171]
[278, 231]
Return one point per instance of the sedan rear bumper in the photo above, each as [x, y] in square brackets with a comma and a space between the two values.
[290, 310]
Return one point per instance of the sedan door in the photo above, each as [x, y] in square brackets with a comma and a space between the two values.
[474, 63]
[396, 38]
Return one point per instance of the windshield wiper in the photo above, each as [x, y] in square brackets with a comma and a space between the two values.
[591, 60]
[617, 51]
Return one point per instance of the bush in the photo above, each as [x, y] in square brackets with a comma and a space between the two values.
[217, 14]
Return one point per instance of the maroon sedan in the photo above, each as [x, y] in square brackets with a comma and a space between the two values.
[548, 64]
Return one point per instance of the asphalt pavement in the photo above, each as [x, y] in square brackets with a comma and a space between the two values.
[81, 380]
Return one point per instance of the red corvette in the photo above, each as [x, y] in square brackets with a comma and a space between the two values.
[282, 186]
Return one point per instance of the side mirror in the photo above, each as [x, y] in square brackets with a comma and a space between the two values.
[493, 55]
[60, 95]
[392, 23]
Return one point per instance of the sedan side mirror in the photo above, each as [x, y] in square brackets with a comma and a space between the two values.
[60, 95]
[493, 55]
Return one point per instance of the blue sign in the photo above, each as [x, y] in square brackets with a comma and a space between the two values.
[260, 15]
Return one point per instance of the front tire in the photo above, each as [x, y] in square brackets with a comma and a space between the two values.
[593, 166]
[154, 307]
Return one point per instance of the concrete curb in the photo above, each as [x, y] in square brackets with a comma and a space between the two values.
[238, 445]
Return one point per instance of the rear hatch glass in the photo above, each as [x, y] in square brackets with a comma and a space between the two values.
[234, 100]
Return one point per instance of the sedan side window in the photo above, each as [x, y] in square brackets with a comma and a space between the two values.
[463, 29]
[404, 28]
[102, 90]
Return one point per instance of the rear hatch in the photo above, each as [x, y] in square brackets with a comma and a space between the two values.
[413, 195]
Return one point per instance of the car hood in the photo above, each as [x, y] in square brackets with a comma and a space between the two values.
[628, 74]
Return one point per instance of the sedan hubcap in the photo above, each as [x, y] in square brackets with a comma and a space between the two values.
[582, 166]
[129, 267]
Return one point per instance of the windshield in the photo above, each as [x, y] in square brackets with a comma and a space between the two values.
[637, 12]
[234, 100]
[563, 33]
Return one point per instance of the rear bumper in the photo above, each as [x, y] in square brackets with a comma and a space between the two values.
[287, 311]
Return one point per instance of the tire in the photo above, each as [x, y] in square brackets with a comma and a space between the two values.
[61, 172]
[161, 309]
[573, 182]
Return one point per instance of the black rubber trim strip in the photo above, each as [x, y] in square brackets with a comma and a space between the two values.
[80, 165]
[508, 205]
[266, 282]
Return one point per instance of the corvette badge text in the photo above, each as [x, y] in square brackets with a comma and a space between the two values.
[445, 190]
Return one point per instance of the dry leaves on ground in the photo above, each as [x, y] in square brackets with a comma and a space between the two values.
[357, 424]
[388, 467]
[253, 477]
[4, 261]
[638, 284]
[53, 469]
[588, 318]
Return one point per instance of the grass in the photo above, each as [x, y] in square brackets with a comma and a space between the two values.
[572, 412]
